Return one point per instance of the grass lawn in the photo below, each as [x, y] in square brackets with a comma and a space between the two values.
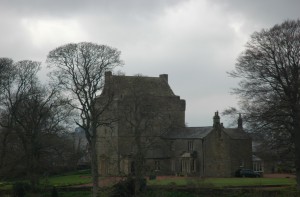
[72, 194]
[5, 186]
[84, 177]
[224, 182]
[67, 180]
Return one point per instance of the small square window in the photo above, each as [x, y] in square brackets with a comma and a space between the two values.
[172, 146]
[190, 146]
[242, 164]
[193, 165]
[173, 168]
[157, 165]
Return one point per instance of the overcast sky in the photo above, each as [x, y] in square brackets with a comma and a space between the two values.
[194, 41]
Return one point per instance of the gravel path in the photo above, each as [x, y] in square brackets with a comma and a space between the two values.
[279, 175]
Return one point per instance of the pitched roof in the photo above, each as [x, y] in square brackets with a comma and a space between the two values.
[236, 133]
[188, 133]
[202, 132]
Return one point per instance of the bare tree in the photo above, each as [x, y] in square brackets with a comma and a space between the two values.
[270, 83]
[5, 67]
[268, 127]
[32, 112]
[79, 69]
[5, 71]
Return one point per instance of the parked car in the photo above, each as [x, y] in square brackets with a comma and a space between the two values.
[246, 173]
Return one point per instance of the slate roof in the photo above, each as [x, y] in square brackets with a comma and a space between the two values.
[188, 133]
[154, 86]
[202, 132]
[235, 133]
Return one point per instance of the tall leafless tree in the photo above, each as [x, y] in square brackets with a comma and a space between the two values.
[79, 69]
[269, 89]
[5, 71]
[32, 112]
[269, 126]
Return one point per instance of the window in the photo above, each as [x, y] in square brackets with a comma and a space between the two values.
[183, 165]
[193, 165]
[172, 146]
[242, 164]
[147, 108]
[257, 167]
[173, 165]
[190, 145]
[127, 108]
[157, 165]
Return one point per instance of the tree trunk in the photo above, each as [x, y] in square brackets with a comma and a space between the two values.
[297, 157]
[296, 138]
[138, 173]
[32, 171]
[3, 151]
[34, 179]
[119, 163]
[32, 167]
[138, 166]
[94, 166]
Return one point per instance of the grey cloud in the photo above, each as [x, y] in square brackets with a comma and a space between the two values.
[67, 8]
[195, 49]
[266, 12]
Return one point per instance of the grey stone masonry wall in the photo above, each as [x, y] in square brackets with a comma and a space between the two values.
[146, 105]
[216, 154]
[147, 109]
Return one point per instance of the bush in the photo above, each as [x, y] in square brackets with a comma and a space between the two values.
[20, 189]
[54, 192]
[152, 177]
[126, 188]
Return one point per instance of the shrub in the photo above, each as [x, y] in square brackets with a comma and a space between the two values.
[20, 189]
[54, 192]
[152, 177]
[126, 187]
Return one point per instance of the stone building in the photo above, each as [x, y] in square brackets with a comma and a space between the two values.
[148, 118]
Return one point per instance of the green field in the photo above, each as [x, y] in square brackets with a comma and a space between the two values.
[225, 182]
[176, 184]
[84, 177]
[68, 180]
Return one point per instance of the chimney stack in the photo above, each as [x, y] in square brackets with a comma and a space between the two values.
[240, 122]
[216, 119]
[164, 76]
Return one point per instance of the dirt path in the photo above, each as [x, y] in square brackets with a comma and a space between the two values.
[279, 175]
